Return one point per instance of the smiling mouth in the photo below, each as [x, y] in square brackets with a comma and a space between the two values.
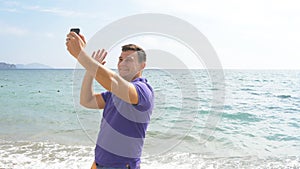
[124, 70]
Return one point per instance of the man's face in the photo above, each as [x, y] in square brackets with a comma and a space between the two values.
[128, 65]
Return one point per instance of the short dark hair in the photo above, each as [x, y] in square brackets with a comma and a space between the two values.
[141, 53]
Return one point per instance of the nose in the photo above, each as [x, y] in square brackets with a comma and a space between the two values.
[121, 63]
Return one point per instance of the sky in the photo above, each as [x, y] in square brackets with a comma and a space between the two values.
[256, 34]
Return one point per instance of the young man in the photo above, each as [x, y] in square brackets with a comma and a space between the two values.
[127, 103]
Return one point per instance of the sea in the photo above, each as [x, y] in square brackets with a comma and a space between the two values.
[202, 119]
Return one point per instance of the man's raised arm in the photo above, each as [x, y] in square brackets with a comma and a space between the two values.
[106, 77]
[88, 98]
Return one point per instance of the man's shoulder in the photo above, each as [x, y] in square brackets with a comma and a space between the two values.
[142, 82]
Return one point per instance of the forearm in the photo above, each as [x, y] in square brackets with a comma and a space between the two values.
[103, 75]
[86, 93]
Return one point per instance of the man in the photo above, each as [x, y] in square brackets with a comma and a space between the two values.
[127, 104]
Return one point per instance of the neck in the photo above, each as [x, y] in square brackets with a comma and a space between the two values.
[129, 79]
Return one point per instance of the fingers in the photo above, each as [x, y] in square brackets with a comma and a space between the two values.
[73, 35]
[82, 37]
[69, 38]
[93, 55]
[100, 56]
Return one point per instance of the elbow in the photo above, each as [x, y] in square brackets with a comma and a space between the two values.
[82, 103]
[87, 104]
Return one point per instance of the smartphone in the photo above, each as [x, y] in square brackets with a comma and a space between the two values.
[76, 30]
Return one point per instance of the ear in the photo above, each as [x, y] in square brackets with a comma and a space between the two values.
[143, 65]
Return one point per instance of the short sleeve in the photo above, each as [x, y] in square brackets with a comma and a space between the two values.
[106, 95]
[145, 96]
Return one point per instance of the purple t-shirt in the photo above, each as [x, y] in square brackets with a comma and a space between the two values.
[123, 127]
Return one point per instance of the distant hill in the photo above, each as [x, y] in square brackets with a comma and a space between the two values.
[4, 65]
[7, 66]
[33, 66]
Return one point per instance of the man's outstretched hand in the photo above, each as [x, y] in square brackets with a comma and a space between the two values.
[100, 56]
[75, 43]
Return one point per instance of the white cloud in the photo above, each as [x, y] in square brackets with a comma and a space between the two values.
[9, 6]
[13, 10]
[229, 11]
[57, 11]
[12, 30]
[10, 3]
[244, 33]
[13, 6]
[49, 35]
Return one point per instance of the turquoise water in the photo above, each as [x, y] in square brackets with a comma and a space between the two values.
[42, 123]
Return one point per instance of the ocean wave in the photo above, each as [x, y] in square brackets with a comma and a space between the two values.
[31, 155]
[240, 116]
[200, 161]
[25, 154]
[284, 96]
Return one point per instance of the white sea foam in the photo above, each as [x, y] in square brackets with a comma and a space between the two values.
[198, 161]
[33, 155]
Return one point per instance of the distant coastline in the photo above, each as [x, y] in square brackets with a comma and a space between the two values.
[4, 65]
